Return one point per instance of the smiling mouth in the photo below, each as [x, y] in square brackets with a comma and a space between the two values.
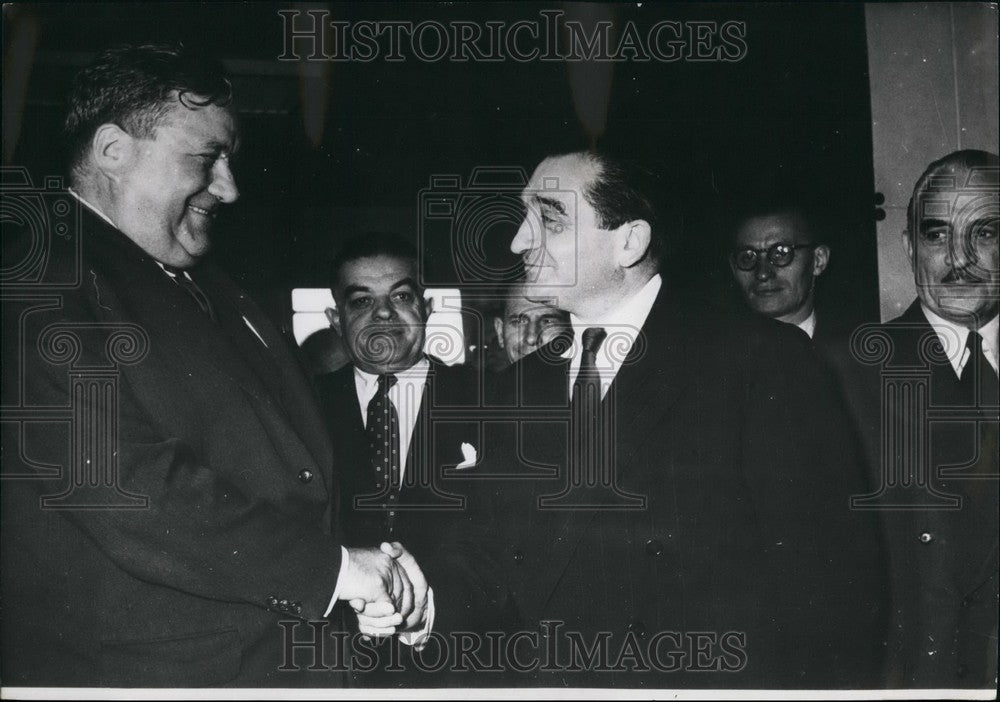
[201, 211]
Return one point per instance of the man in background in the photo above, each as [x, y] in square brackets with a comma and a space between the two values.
[394, 413]
[777, 256]
[522, 326]
[940, 505]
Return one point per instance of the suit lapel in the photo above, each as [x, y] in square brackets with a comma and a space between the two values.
[188, 339]
[645, 389]
[652, 377]
[287, 383]
[973, 552]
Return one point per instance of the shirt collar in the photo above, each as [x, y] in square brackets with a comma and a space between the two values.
[953, 336]
[626, 319]
[416, 373]
[808, 325]
[92, 207]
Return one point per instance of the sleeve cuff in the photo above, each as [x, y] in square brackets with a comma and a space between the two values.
[344, 558]
[418, 639]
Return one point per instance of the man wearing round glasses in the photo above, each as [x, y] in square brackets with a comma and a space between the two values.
[775, 261]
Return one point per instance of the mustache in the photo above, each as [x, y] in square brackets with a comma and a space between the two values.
[963, 275]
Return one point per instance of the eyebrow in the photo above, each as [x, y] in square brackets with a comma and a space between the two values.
[930, 223]
[406, 281]
[351, 289]
[214, 145]
[554, 204]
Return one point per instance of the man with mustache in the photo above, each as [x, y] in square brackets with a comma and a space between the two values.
[941, 505]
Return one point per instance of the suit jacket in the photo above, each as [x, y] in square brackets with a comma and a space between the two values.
[724, 556]
[421, 513]
[421, 505]
[168, 486]
[941, 522]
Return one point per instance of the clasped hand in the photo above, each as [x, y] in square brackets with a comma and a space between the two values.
[386, 588]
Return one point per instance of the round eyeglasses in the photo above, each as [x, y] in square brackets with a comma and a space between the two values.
[778, 255]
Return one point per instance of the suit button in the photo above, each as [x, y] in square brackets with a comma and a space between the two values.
[271, 601]
[518, 556]
[637, 628]
[283, 605]
[305, 475]
[966, 602]
[926, 538]
[961, 671]
[654, 547]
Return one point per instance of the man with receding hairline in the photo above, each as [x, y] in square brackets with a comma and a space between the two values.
[670, 482]
[943, 545]
[522, 326]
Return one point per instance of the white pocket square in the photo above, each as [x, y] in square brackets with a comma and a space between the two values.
[469, 456]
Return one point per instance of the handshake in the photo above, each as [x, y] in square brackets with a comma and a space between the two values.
[386, 588]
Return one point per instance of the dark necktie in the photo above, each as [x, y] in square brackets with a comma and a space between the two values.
[192, 288]
[978, 378]
[587, 387]
[586, 423]
[383, 436]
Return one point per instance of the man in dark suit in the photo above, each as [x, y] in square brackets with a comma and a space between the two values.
[523, 326]
[777, 256]
[394, 413]
[381, 317]
[168, 478]
[934, 382]
[675, 511]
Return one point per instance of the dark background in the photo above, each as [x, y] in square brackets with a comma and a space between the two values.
[794, 112]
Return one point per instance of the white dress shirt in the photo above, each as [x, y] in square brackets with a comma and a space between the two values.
[808, 325]
[954, 337]
[405, 397]
[623, 325]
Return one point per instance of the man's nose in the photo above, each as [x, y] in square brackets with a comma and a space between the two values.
[524, 240]
[223, 185]
[383, 310]
[532, 333]
[959, 257]
[764, 270]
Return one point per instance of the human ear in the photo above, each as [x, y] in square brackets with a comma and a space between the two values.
[111, 149]
[334, 318]
[821, 259]
[635, 239]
